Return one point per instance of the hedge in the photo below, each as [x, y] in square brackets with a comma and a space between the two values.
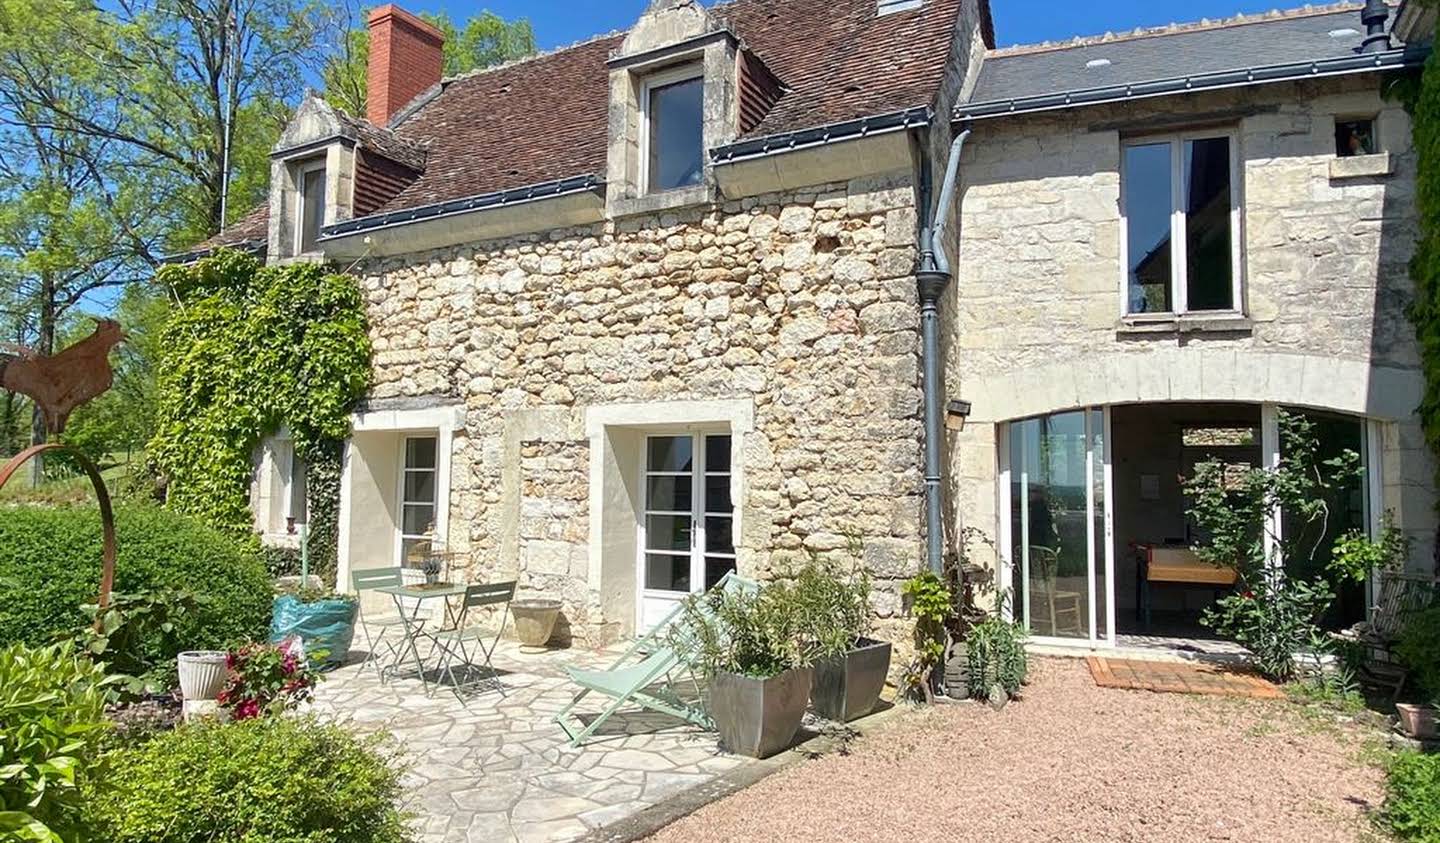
[50, 569]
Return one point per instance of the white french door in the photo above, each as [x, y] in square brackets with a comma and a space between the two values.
[686, 541]
[1057, 526]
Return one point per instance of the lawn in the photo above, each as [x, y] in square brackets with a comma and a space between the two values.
[1078, 763]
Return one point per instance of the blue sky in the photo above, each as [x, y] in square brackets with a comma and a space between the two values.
[560, 22]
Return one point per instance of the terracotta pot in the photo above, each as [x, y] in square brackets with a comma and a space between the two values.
[1418, 721]
[535, 620]
[203, 674]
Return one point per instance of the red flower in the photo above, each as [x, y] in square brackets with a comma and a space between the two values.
[247, 710]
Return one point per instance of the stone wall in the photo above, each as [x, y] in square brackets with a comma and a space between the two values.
[1034, 321]
[802, 303]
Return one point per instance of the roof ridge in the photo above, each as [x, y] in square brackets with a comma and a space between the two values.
[540, 54]
[1202, 25]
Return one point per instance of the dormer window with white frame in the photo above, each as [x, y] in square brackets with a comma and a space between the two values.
[309, 204]
[673, 122]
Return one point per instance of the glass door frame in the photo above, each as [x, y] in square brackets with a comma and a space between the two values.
[1007, 544]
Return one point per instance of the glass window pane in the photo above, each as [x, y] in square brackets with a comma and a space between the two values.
[719, 535]
[1149, 202]
[717, 494]
[670, 453]
[420, 486]
[717, 453]
[664, 572]
[420, 452]
[1097, 530]
[715, 568]
[1048, 454]
[667, 532]
[1209, 256]
[414, 551]
[675, 139]
[668, 494]
[297, 488]
[417, 520]
[313, 208]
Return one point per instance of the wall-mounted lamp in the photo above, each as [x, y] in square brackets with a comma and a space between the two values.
[955, 414]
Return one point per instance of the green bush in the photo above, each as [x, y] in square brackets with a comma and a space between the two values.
[995, 650]
[268, 780]
[1412, 808]
[50, 570]
[52, 720]
[1419, 650]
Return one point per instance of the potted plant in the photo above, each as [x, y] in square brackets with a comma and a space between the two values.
[1418, 650]
[534, 621]
[850, 668]
[747, 644]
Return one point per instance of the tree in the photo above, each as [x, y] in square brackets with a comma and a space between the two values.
[485, 41]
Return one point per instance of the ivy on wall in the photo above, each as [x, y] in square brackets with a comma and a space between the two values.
[248, 349]
[1422, 99]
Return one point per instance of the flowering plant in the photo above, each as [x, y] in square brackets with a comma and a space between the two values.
[267, 679]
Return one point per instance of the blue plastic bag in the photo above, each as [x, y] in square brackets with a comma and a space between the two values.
[327, 625]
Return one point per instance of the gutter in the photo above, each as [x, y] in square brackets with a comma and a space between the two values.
[251, 246]
[895, 121]
[932, 278]
[469, 204]
[1411, 56]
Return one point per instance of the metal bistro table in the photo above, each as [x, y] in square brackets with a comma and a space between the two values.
[414, 624]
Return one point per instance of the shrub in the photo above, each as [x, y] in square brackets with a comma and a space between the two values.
[266, 679]
[50, 570]
[745, 632]
[1419, 650]
[52, 719]
[834, 603]
[995, 649]
[268, 780]
[1412, 807]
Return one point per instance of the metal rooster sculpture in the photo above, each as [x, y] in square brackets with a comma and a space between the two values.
[58, 384]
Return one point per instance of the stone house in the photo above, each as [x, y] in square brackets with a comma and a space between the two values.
[661, 304]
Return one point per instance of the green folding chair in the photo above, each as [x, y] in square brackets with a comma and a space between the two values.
[456, 644]
[369, 579]
[644, 676]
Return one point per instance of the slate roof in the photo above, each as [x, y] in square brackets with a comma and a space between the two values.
[1275, 38]
[249, 232]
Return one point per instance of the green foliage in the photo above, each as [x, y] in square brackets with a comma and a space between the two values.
[266, 679]
[833, 600]
[1275, 614]
[138, 636]
[322, 491]
[1422, 100]
[52, 720]
[50, 570]
[266, 780]
[1419, 650]
[1412, 806]
[751, 633]
[1355, 555]
[252, 348]
[486, 40]
[995, 649]
[932, 604]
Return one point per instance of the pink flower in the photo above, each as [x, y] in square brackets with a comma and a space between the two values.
[247, 710]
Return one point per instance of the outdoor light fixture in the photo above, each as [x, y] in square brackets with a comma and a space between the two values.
[955, 414]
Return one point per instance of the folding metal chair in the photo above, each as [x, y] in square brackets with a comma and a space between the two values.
[453, 642]
[369, 579]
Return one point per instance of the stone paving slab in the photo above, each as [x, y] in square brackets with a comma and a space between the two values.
[496, 768]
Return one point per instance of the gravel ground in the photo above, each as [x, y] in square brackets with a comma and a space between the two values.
[1071, 762]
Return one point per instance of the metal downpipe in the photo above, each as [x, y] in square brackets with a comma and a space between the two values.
[932, 278]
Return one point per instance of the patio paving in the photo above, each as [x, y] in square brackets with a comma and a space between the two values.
[498, 769]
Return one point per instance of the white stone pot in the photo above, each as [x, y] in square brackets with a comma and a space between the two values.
[203, 673]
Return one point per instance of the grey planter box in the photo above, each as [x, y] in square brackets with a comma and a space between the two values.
[849, 686]
[759, 717]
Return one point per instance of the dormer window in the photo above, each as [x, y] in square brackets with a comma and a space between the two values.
[673, 129]
[310, 205]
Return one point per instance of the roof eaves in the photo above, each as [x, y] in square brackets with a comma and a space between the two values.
[252, 246]
[464, 205]
[821, 135]
[1411, 56]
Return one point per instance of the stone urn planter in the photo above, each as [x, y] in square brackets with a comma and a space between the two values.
[534, 622]
[1417, 721]
[759, 717]
[848, 686]
[957, 672]
[203, 674]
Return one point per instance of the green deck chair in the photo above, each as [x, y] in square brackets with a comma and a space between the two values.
[650, 661]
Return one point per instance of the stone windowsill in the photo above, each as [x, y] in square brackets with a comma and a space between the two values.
[629, 206]
[1136, 326]
[1361, 167]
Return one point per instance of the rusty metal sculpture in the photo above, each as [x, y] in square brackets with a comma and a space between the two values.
[58, 384]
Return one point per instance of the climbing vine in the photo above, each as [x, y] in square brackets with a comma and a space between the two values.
[249, 349]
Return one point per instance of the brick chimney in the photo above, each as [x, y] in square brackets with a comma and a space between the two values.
[405, 60]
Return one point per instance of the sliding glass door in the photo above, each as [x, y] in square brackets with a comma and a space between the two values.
[1055, 479]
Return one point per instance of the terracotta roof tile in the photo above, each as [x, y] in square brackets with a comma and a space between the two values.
[252, 228]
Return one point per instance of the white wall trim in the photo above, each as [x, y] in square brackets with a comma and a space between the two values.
[342, 539]
[738, 413]
[444, 417]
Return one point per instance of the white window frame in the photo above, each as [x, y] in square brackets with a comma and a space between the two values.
[649, 83]
[303, 169]
[1178, 256]
[400, 499]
